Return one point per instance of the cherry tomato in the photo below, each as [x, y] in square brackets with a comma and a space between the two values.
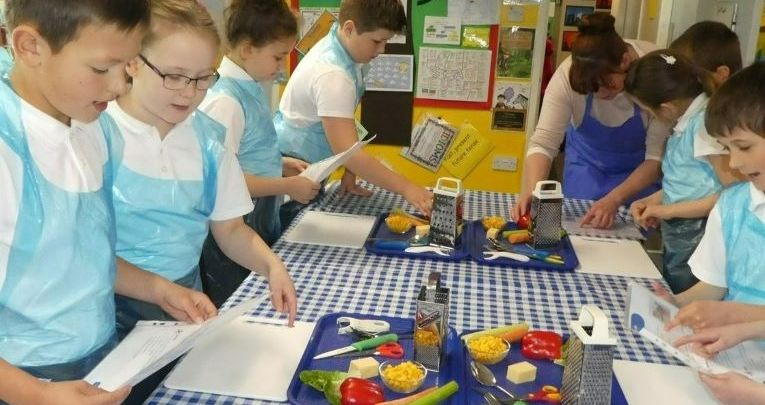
[524, 221]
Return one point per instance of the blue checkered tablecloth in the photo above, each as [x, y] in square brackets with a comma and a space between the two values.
[331, 279]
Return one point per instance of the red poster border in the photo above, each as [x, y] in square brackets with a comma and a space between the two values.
[469, 105]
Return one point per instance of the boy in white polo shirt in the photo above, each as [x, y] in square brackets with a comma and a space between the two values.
[57, 266]
[316, 114]
[729, 259]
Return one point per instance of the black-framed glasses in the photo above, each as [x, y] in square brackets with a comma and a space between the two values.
[175, 81]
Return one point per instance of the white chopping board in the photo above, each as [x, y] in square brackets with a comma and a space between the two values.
[244, 359]
[651, 384]
[613, 257]
[331, 229]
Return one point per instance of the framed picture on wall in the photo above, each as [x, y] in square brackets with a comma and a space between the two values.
[567, 40]
[606, 4]
[574, 14]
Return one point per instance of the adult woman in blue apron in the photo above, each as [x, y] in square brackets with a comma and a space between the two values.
[613, 149]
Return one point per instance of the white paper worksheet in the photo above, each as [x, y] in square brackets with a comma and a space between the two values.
[323, 168]
[647, 313]
[153, 344]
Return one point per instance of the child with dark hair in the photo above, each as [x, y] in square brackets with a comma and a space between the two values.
[58, 273]
[712, 46]
[728, 261]
[260, 34]
[613, 148]
[695, 166]
[316, 113]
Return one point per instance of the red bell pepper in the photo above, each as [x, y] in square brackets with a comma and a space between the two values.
[358, 391]
[541, 345]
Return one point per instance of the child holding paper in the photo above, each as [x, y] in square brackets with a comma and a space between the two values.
[57, 265]
[728, 260]
[316, 113]
[174, 180]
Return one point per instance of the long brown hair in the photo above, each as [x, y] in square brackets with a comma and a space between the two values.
[596, 53]
[666, 75]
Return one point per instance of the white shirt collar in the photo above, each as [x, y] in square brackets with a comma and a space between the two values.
[230, 69]
[757, 198]
[698, 103]
[137, 126]
[55, 132]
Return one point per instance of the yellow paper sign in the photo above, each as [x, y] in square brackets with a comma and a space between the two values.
[318, 31]
[466, 151]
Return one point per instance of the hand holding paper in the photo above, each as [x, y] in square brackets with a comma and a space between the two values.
[151, 345]
[323, 168]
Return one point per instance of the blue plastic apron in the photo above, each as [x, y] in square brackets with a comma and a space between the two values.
[744, 235]
[162, 223]
[685, 179]
[258, 151]
[56, 303]
[310, 143]
[599, 158]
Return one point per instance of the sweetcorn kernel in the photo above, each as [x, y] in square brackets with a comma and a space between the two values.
[398, 223]
[495, 222]
[404, 377]
[488, 349]
[426, 338]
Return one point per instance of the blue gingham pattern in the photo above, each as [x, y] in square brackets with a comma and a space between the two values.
[330, 279]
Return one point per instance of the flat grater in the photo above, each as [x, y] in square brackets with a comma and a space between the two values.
[546, 211]
[446, 214]
[432, 319]
[589, 361]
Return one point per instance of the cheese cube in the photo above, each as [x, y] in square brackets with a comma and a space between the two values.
[422, 230]
[522, 372]
[363, 368]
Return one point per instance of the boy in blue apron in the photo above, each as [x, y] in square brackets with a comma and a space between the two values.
[57, 266]
[174, 181]
[695, 166]
[729, 259]
[258, 51]
[316, 113]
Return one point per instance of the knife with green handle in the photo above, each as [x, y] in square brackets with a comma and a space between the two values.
[360, 345]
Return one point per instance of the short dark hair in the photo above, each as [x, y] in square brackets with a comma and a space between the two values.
[371, 15]
[259, 21]
[596, 53]
[666, 75]
[739, 103]
[60, 21]
[710, 44]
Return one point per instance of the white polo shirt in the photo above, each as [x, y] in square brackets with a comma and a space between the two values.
[318, 89]
[70, 157]
[179, 157]
[708, 261]
[226, 109]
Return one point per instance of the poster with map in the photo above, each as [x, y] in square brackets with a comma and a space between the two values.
[454, 74]
[389, 72]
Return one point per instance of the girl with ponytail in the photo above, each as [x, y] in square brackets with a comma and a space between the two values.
[695, 166]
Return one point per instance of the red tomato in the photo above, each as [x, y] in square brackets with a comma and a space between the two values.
[524, 221]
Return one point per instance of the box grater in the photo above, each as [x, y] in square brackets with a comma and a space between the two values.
[589, 363]
[431, 323]
[546, 211]
[446, 215]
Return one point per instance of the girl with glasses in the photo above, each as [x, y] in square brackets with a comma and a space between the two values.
[174, 180]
